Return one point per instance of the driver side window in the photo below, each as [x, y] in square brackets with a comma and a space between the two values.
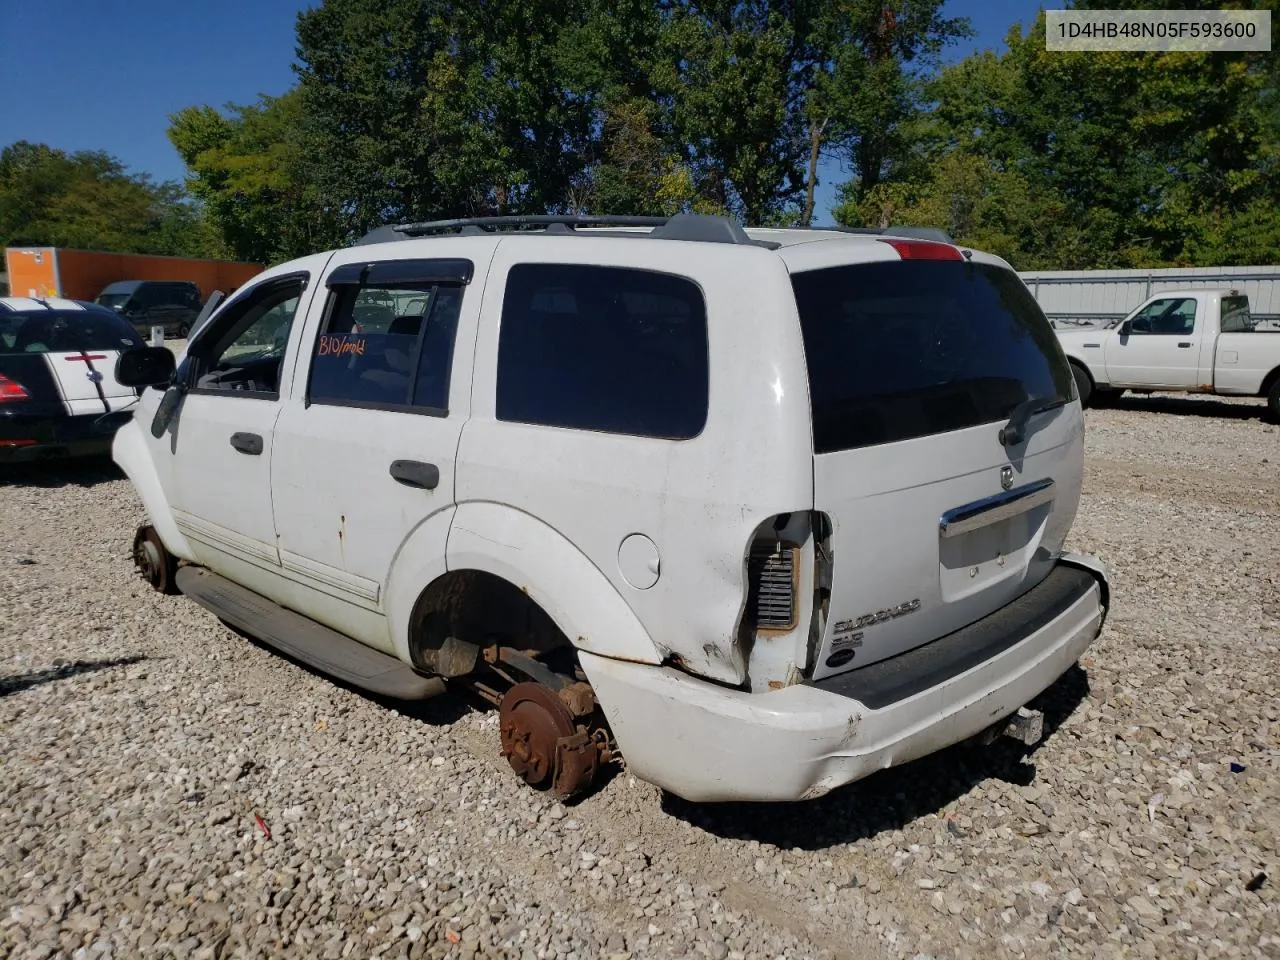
[242, 349]
[1175, 316]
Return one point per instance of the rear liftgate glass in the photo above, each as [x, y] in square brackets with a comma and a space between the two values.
[915, 367]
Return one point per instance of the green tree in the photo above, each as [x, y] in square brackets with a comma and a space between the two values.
[726, 73]
[1088, 160]
[417, 109]
[869, 90]
[250, 168]
[89, 200]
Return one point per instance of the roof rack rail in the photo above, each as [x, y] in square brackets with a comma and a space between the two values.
[683, 226]
[477, 225]
[917, 233]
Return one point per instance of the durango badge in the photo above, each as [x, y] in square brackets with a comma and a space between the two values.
[871, 619]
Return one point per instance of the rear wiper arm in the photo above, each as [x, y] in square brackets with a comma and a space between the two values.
[1015, 431]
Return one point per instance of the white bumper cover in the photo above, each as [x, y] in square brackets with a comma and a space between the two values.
[708, 743]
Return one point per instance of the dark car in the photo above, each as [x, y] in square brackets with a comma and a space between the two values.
[171, 304]
[58, 392]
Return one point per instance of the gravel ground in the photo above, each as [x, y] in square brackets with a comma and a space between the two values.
[170, 789]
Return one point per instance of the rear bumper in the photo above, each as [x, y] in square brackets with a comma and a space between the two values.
[707, 743]
[24, 438]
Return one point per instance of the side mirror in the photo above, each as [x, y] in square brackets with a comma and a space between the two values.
[1126, 328]
[145, 367]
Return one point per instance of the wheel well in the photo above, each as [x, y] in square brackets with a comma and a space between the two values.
[1079, 364]
[1269, 381]
[472, 608]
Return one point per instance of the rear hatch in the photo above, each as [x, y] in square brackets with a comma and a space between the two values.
[915, 367]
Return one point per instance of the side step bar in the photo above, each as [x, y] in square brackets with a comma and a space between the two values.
[314, 644]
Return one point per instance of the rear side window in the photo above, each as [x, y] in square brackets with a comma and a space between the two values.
[387, 347]
[1236, 317]
[607, 349]
[64, 331]
[906, 349]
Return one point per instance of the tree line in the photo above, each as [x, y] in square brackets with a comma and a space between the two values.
[421, 109]
[89, 200]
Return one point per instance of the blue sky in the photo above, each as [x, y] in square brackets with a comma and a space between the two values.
[92, 75]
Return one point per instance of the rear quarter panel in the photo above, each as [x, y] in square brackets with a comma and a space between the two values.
[699, 500]
[1242, 362]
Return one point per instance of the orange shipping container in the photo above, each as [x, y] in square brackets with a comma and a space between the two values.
[81, 274]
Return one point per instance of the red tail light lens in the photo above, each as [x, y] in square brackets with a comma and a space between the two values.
[11, 390]
[923, 249]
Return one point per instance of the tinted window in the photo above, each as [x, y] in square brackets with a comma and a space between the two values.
[387, 346]
[905, 349]
[113, 300]
[62, 331]
[603, 348]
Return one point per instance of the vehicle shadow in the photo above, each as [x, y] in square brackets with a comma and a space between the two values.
[1188, 406]
[889, 799]
[79, 472]
[442, 710]
[61, 671]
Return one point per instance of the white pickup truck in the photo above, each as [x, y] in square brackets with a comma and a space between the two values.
[1197, 341]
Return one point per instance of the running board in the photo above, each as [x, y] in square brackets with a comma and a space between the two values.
[299, 637]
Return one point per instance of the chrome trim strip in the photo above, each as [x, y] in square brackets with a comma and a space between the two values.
[992, 509]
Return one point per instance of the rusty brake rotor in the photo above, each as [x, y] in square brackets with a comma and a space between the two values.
[542, 743]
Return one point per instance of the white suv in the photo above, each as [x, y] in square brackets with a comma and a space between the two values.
[761, 510]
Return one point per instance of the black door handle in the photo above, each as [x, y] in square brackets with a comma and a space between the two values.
[412, 473]
[1185, 343]
[249, 443]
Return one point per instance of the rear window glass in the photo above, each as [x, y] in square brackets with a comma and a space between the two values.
[606, 349]
[1236, 317]
[63, 331]
[906, 349]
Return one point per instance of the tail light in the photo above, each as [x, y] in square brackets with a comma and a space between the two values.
[11, 391]
[924, 250]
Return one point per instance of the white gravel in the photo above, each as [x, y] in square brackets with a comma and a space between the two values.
[142, 739]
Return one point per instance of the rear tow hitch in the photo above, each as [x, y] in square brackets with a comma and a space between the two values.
[1026, 726]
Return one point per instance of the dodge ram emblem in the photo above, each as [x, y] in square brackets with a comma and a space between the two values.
[1006, 476]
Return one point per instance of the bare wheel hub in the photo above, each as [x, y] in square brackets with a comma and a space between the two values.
[152, 559]
[541, 742]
